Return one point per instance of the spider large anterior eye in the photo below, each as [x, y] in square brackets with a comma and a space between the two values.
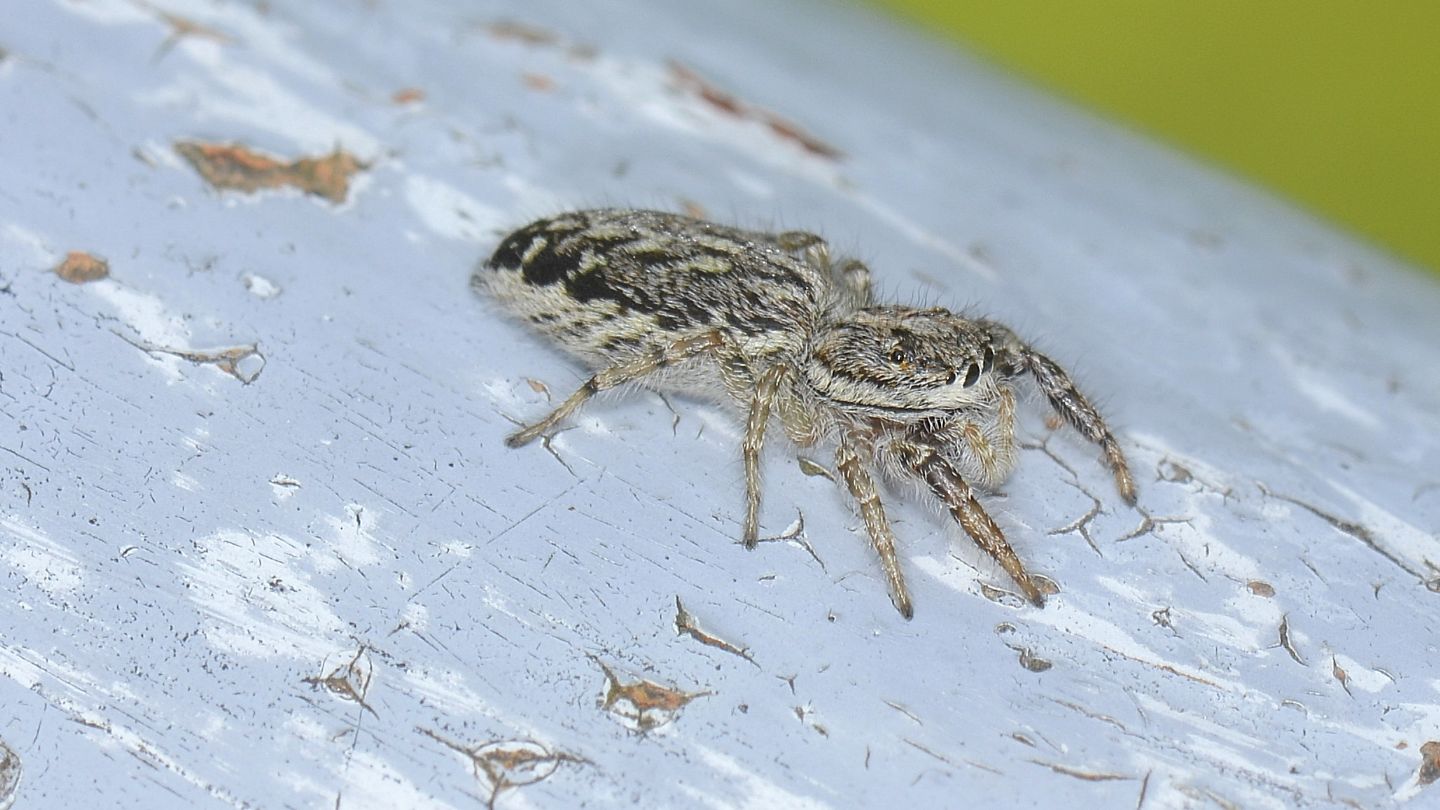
[972, 375]
[897, 356]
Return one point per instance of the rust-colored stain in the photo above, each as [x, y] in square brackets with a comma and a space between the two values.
[349, 682]
[181, 27]
[536, 37]
[522, 32]
[507, 764]
[408, 95]
[237, 167]
[538, 82]
[1429, 762]
[80, 267]
[691, 82]
[686, 625]
[643, 705]
[1339, 673]
[1259, 588]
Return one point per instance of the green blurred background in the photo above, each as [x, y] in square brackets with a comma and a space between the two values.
[1335, 105]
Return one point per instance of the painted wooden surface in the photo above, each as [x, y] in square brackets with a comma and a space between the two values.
[262, 545]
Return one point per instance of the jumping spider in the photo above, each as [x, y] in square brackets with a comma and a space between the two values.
[774, 324]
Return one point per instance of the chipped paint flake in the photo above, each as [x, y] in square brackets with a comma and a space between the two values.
[260, 286]
[350, 681]
[283, 487]
[80, 267]
[642, 705]
[239, 168]
[508, 764]
[687, 625]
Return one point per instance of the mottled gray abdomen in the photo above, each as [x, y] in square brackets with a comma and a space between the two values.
[610, 282]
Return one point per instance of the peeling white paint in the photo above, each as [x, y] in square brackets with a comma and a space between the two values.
[24, 247]
[185, 482]
[1392, 533]
[108, 12]
[451, 213]
[371, 781]
[448, 690]
[1250, 629]
[1102, 633]
[258, 600]
[228, 91]
[754, 792]
[1329, 399]
[259, 286]
[44, 563]
[272, 40]
[415, 617]
[1362, 677]
[649, 90]
[1322, 392]
[148, 316]
[351, 539]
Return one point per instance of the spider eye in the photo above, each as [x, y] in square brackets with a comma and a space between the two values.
[972, 375]
[897, 355]
[951, 379]
[989, 359]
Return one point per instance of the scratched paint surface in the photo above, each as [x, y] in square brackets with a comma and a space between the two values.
[262, 546]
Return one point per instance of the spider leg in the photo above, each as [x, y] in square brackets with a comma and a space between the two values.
[862, 489]
[1067, 401]
[766, 389]
[855, 276]
[927, 464]
[849, 275]
[623, 372]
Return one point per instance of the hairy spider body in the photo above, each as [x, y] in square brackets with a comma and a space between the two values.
[776, 325]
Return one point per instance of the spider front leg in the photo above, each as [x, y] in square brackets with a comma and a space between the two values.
[1067, 401]
[623, 372]
[927, 464]
[862, 489]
